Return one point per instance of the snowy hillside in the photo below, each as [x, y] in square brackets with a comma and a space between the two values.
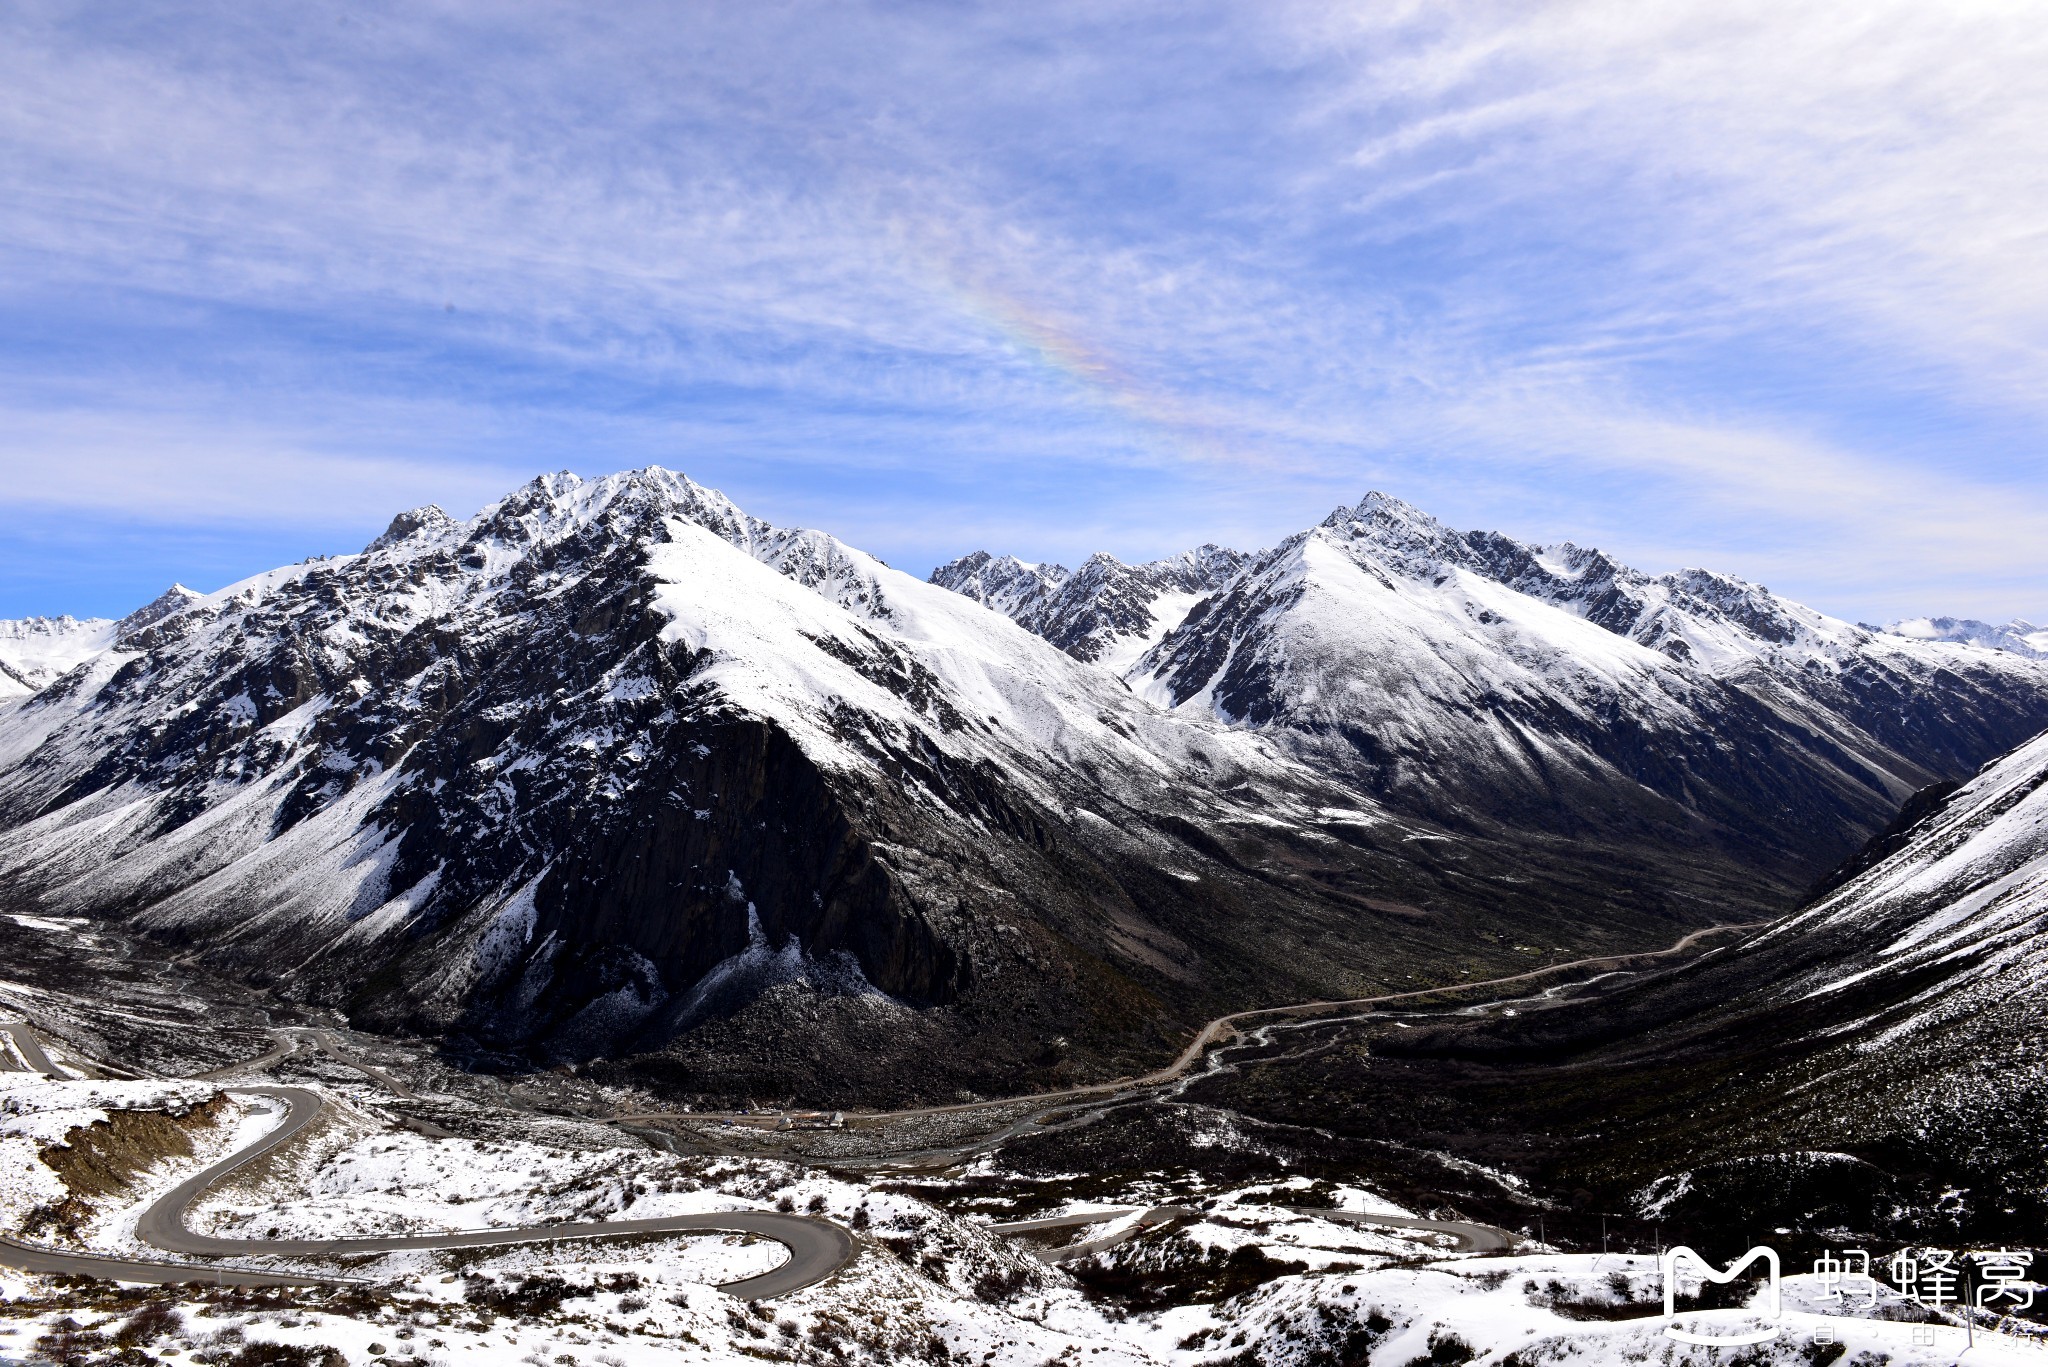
[1106, 613]
[1907, 1016]
[1877, 1062]
[1953, 923]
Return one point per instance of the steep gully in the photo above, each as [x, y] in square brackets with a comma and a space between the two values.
[817, 1248]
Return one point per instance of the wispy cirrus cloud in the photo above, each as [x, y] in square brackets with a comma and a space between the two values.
[1727, 283]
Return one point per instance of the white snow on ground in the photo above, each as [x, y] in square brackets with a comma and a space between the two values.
[47, 1111]
[919, 1289]
[26, 1182]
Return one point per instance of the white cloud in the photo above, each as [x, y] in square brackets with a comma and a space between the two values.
[1672, 265]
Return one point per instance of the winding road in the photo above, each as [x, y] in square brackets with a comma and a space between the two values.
[1471, 1237]
[1228, 1024]
[817, 1248]
[30, 1048]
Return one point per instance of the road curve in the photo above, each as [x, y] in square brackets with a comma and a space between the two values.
[30, 1048]
[817, 1248]
[1472, 1238]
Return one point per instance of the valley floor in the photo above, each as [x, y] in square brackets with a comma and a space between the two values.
[1143, 1224]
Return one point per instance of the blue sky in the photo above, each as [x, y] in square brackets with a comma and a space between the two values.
[1754, 286]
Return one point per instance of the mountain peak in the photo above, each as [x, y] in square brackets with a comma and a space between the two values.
[1002, 582]
[1387, 523]
[428, 517]
[176, 598]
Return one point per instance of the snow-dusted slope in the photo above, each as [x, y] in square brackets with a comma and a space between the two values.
[1476, 679]
[1876, 1062]
[2019, 636]
[1963, 895]
[1106, 613]
[610, 760]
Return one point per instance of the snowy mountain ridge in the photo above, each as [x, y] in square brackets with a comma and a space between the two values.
[1105, 613]
[1486, 683]
[36, 650]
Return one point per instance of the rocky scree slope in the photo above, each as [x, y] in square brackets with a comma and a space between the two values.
[614, 770]
[1729, 744]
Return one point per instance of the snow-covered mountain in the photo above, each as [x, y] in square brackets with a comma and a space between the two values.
[614, 768]
[35, 650]
[1552, 691]
[1106, 613]
[2019, 636]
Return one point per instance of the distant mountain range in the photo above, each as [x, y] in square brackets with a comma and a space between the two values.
[1553, 693]
[2019, 636]
[614, 771]
[1105, 613]
[36, 651]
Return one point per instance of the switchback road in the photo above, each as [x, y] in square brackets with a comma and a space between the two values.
[1472, 1238]
[817, 1248]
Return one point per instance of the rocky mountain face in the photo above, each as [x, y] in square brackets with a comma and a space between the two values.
[2019, 636]
[615, 770]
[1105, 613]
[1592, 710]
